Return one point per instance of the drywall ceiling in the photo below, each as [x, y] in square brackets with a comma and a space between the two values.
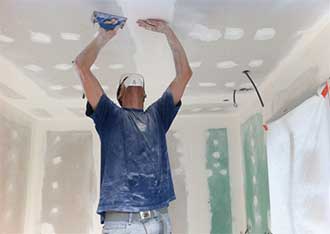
[222, 38]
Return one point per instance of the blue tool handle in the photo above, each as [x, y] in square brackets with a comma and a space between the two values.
[108, 21]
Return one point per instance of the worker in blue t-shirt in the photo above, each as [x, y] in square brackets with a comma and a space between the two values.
[136, 184]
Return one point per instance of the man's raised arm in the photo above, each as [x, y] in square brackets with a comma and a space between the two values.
[183, 70]
[86, 59]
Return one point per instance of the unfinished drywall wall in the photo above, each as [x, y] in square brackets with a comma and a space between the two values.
[15, 144]
[194, 136]
[63, 177]
[256, 175]
[69, 183]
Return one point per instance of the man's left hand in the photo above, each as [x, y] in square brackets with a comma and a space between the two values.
[156, 25]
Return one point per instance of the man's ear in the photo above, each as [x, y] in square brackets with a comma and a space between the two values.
[120, 94]
[144, 95]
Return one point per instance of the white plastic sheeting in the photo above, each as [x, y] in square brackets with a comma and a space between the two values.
[298, 147]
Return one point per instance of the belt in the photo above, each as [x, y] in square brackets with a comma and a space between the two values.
[134, 216]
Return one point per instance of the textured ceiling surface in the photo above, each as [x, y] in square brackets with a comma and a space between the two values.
[222, 38]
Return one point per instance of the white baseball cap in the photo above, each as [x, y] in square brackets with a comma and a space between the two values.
[132, 79]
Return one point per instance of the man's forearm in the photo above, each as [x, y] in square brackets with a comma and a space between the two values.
[88, 56]
[182, 67]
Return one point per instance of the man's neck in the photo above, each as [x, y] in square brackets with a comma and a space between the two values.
[133, 103]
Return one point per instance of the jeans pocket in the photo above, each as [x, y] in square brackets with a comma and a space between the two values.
[167, 226]
[114, 228]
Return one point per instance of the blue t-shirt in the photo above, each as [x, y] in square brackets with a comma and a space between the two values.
[135, 168]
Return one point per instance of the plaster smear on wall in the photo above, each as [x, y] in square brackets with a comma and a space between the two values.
[69, 186]
[203, 33]
[15, 154]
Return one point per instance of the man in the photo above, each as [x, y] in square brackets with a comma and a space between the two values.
[136, 183]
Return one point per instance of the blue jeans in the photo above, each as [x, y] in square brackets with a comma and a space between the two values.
[156, 225]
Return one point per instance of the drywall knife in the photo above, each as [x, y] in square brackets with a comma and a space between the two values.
[108, 21]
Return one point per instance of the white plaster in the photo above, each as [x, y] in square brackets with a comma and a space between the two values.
[246, 85]
[209, 173]
[178, 171]
[254, 179]
[203, 33]
[8, 214]
[233, 33]
[177, 135]
[253, 159]
[216, 155]
[10, 187]
[256, 63]
[116, 66]
[55, 185]
[47, 228]
[195, 64]
[70, 36]
[78, 87]
[265, 34]
[13, 156]
[139, 196]
[258, 218]
[141, 126]
[57, 139]
[196, 109]
[216, 109]
[41, 38]
[255, 201]
[207, 84]
[252, 142]
[56, 87]
[33, 67]
[57, 160]
[63, 67]
[226, 65]
[223, 172]
[54, 210]
[230, 84]
[6, 39]
[180, 150]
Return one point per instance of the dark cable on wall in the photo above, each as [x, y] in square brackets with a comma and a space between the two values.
[246, 72]
[234, 98]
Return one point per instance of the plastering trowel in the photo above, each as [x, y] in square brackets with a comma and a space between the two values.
[108, 21]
